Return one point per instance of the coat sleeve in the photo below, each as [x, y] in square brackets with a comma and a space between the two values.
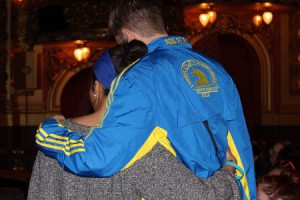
[159, 175]
[108, 148]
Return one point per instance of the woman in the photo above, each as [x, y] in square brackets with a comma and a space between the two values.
[277, 187]
[157, 175]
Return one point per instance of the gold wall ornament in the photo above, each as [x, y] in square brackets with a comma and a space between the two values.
[226, 23]
[60, 57]
[232, 23]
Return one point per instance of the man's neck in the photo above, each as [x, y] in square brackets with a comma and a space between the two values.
[150, 39]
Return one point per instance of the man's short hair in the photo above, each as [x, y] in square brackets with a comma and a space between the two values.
[143, 17]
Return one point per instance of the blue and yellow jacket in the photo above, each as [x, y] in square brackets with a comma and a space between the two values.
[164, 97]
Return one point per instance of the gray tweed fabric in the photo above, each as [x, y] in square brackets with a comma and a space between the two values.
[158, 175]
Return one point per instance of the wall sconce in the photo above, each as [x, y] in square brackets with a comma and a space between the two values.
[257, 20]
[204, 19]
[208, 14]
[267, 16]
[82, 52]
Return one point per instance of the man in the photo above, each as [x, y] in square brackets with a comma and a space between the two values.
[173, 96]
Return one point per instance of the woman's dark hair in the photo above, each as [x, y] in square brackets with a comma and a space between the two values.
[123, 55]
[291, 153]
[279, 187]
[288, 162]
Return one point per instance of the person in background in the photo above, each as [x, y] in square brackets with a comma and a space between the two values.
[275, 149]
[172, 181]
[173, 96]
[261, 157]
[273, 187]
[288, 162]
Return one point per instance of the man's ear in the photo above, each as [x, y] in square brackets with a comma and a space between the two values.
[130, 35]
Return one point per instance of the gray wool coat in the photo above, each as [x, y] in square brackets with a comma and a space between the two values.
[158, 175]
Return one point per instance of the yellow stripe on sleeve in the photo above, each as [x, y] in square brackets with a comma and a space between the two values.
[41, 130]
[40, 137]
[65, 138]
[67, 145]
[68, 153]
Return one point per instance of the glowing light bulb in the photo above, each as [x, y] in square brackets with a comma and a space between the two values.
[204, 19]
[267, 16]
[212, 16]
[82, 53]
[257, 20]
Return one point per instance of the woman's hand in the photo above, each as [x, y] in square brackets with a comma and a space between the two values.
[230, 158]
[58, 117]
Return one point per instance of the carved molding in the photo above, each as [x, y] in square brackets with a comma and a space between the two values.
[264, 59]
[78, 21]
[78, 15]
[235, 24]
[84, 20]
[61, 66]
[60, 58]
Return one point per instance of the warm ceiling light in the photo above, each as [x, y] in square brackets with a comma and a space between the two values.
[204, 19]
[212, 16]
[267, 16]
[257, 20]
[82, 53]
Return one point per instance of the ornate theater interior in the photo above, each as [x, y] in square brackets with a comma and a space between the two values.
[48, 47]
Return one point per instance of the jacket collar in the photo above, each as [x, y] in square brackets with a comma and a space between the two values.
[169, 42]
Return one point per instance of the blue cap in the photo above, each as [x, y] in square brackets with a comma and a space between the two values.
[104, 69]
